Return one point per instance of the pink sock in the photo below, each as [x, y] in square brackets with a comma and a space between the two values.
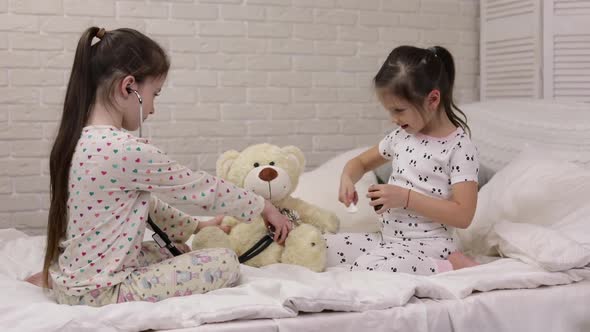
[443, 265]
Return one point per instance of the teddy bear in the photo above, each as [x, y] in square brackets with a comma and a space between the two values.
[273, 173]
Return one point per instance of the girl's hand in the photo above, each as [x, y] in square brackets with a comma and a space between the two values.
[388, 195]
[182, 247]
[281, 224]
[346, 193]
[215, 222]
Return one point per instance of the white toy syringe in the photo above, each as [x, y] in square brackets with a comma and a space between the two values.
[352, 208]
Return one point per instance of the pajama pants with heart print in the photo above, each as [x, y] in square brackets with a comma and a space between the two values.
[376, 252]
[161, 275]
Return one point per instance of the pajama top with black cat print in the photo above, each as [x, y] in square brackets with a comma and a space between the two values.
[409, 242]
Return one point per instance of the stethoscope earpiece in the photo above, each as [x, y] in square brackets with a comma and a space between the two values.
[130, 90]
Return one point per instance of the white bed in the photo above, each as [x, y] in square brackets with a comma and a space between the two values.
[558, 308]
[535, 217]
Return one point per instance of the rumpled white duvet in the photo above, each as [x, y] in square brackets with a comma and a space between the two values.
[547, 244]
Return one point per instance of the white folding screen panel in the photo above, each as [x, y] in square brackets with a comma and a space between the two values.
[510, 49]
[566, 49]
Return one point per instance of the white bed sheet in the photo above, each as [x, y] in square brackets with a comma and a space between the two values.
[275, 292]
[562, 308]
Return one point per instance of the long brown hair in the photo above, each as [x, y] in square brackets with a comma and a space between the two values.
[97, 69]
[412, 73]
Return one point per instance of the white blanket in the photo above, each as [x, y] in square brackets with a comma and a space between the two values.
[277, 291]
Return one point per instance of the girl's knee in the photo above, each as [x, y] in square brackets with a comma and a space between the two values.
[221, 255]
[223, 260]
[230, 259]
[225, 268]
[364, 263]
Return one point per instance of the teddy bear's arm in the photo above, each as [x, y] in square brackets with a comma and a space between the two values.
[324, 220]
[179, 226]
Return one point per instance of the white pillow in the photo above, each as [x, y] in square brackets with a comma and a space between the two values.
[534, 189]
[501, 129]
[540, 246]
[320, 187]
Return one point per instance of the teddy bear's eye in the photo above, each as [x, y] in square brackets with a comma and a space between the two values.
[256, 164]
[272, 163]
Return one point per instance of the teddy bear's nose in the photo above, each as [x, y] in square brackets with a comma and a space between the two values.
[268, 174]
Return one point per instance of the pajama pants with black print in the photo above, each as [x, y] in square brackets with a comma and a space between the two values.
[161, 276]
[376, 252]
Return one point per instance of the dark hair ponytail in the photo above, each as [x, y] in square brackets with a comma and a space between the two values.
[447, 98]
[412, 73]
[79, 96]
[96, 69]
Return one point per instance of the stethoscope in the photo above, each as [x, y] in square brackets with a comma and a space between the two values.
[130, 90]
[164, 242]
[159, 236]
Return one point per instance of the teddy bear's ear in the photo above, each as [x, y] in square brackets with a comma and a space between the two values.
[296, 155]
[224, 163]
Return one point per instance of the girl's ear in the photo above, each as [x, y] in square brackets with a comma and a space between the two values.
[433, 99]
[127, 81]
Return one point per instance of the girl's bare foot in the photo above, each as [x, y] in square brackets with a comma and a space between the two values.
[459, 261]
[36, 279]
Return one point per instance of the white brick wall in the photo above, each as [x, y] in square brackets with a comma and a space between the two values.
[243, 72]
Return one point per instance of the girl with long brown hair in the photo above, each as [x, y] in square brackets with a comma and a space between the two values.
[105, 183]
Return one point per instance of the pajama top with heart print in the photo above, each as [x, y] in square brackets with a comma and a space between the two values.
[115, 180]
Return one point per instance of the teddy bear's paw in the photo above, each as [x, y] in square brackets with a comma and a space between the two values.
[332, 223]
[326, 222]
[305, 246]
[211, 237]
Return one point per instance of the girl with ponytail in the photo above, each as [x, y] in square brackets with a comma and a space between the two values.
[433, 187]
[106, 183]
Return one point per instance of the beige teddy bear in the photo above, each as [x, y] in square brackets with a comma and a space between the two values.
[273, 173]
